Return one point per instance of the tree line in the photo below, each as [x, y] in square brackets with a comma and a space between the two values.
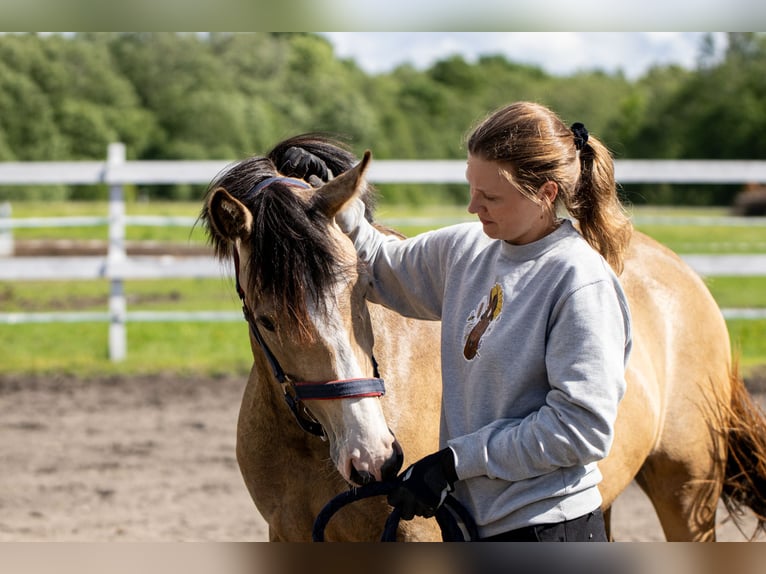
[229, 95]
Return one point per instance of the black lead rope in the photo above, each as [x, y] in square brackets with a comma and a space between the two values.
[456, 523]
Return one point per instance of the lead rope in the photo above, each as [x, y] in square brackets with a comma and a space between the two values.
[456, 523]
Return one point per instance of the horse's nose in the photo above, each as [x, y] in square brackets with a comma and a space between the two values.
[388, 471]
[391, 467]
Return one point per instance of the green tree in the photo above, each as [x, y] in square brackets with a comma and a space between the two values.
[26, 115]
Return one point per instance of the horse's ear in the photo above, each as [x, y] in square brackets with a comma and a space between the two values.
[229, 218]
[332, 196]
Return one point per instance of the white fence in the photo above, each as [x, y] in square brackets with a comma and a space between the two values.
[117, 266]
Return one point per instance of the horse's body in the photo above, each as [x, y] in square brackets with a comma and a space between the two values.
[678, 430]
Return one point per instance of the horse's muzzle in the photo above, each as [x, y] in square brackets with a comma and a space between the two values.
[388, 471]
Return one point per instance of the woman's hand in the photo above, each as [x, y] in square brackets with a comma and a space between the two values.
[422, 488]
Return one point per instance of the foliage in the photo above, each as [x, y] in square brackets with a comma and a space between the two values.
[228, 95]
[716, 112]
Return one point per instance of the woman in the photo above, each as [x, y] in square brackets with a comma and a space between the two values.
[535, 328]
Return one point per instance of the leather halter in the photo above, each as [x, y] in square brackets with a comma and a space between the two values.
[296, 392]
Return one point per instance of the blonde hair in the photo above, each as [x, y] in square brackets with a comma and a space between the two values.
[538, 147]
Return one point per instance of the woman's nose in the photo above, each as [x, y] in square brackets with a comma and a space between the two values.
[472, 207]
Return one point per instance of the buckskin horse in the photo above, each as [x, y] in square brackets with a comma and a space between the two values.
[316, 418]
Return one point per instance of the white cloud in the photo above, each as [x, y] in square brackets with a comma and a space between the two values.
[556, 52]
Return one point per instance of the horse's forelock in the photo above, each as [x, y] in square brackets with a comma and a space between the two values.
[292, 258]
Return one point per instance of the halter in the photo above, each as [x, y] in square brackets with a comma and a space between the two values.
[296, 392]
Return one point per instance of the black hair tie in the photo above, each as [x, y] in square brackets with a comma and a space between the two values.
[580, 135]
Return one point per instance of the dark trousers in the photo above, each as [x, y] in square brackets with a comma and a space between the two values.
[588, 528]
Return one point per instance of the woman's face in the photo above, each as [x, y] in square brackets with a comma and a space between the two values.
[503, 210]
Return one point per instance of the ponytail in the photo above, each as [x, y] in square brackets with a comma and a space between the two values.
[603, 220]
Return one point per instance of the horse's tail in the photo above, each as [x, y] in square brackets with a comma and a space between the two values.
[745, 480]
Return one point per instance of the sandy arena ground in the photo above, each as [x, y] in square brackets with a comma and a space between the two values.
[147, 459]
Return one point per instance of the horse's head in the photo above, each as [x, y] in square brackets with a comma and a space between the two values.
[304, 295]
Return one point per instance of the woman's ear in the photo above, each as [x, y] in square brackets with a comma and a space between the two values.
[548, 192]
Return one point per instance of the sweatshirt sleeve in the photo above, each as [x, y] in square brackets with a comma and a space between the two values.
[407, 275]
[587, 350]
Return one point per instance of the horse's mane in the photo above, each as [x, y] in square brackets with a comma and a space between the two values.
[293, 259]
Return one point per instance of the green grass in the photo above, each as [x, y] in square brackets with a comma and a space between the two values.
[742, 292]
[224, 347]
[700, 238]
[82, 348]
[144, 295]
[708, 239]
[748, 338]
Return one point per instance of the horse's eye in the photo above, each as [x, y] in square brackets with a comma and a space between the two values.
[267, 323]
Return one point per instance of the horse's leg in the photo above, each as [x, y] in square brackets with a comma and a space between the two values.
[683, 478]
[685, 504]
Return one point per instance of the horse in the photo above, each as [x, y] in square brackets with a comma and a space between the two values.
[687, 430]
[304, 298]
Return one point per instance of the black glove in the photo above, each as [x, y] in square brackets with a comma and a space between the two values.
[297, 162]
[422, 488]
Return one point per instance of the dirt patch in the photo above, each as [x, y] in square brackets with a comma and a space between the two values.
[78, 247]
[122, 458]
[152, 459]
[13, 297]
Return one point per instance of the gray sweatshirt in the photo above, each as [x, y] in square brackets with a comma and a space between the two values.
[534, 343]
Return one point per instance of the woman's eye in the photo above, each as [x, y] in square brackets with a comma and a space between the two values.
[267, 323]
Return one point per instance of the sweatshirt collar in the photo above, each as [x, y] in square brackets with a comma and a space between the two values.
[535, 249]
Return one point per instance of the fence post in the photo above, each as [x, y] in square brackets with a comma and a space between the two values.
[6, 233]
[116, 255]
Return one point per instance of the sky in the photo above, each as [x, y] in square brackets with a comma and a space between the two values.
[558, 53]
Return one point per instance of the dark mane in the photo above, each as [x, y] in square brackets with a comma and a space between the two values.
[293, 259]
